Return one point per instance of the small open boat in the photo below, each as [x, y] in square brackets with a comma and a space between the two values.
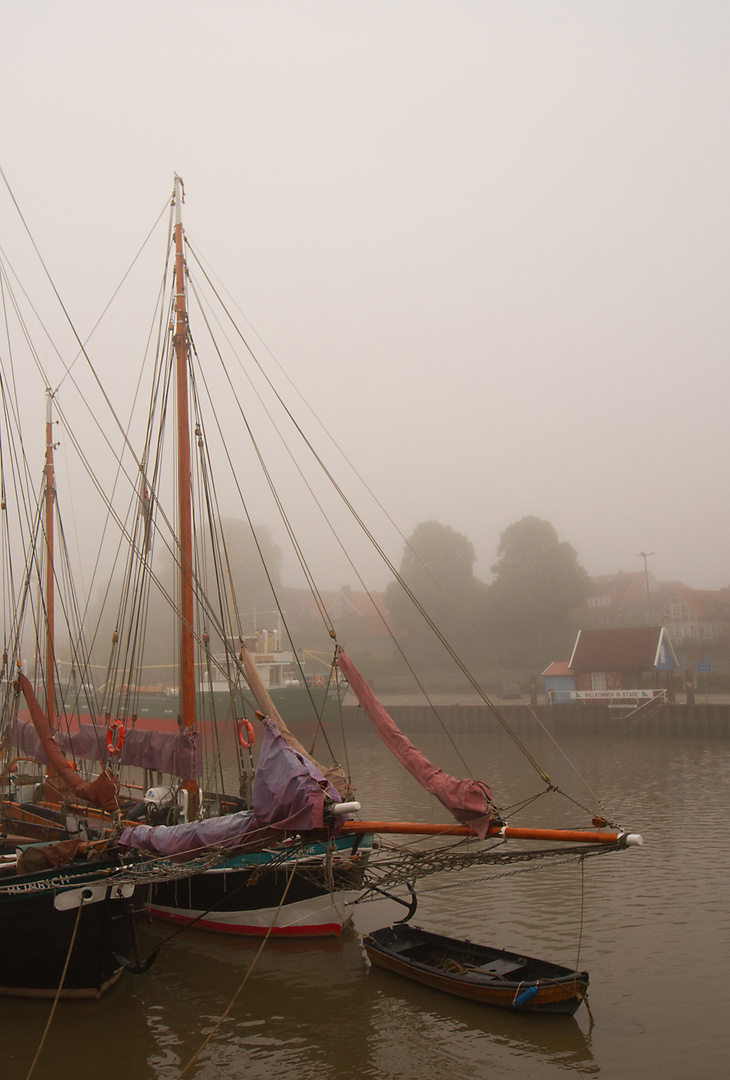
[478, 972]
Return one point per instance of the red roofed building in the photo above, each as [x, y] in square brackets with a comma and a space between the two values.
[622, 659]
[697, 618]
[559, 683]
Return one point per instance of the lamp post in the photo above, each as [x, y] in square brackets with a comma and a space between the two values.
[645, 555]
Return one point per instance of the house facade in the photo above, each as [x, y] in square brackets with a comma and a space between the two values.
[623, 663]
[697, 619]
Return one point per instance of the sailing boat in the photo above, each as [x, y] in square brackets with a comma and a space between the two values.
[67, 924]
[65, 915]
[290, 889]
[213, 900]
[308, 883]
[240, 837]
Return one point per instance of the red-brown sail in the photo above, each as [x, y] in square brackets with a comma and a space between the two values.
[102, 792]
[470, 801]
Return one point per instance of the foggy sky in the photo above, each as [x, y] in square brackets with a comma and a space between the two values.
[488, 241]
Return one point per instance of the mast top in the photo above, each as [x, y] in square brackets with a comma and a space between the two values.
[178, 198]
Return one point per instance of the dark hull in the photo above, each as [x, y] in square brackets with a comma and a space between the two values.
[247, 899]
[36, 936]
[477, 972]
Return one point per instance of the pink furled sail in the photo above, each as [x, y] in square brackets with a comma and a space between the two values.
[101, 792]
[469, 801]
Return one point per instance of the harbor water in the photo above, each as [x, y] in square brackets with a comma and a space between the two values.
[651, 925]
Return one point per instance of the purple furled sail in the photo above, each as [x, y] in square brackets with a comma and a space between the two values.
[469, 801]
[288, 797]
[165, 752]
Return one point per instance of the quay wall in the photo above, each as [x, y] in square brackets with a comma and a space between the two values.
[685, 721]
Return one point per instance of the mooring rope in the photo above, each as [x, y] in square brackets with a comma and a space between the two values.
[243, 982]
[58, 992]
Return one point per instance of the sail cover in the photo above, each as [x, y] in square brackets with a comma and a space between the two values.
[288, 797]
[177, 754]
[333, 773]
[469, 801]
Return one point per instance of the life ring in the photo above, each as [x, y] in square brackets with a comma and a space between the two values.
[115, 735]
[245, 727]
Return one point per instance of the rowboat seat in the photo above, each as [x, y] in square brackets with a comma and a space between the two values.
[501, 968]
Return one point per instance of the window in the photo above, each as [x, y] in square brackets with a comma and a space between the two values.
[598, 680]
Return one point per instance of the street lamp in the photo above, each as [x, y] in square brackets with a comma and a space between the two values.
[645, 555]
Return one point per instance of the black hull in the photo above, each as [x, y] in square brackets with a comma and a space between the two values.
[36, 938]
[248, 900]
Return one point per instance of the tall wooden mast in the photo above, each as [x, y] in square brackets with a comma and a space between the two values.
[50, 495]
[183, 474]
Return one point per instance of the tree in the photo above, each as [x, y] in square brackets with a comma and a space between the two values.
[537, 586]
[438, 568]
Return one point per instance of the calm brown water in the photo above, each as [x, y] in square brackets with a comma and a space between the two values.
[656, 941]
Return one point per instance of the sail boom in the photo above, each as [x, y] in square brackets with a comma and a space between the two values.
[569, 836]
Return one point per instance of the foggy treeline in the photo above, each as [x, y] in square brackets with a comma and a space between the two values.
[523, 619]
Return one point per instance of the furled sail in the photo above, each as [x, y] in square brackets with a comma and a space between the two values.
[334, 773]
[469, 801]
[177, 754]
[101, 792]
[289, 796]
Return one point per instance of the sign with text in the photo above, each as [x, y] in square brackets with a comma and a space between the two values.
[611, 695]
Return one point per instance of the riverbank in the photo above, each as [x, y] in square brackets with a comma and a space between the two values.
[473, 716]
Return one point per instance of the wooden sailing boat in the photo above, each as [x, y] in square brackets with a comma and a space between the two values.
[304, 889]
[304, 885]
[66, 925]
[206, 897]
[66, 922]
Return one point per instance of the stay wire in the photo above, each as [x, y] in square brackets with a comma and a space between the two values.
[278, 503]
[379, 549]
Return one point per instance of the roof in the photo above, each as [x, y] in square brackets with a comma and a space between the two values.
[635, 648]
[558, 667]
[705, 603]
[627, 592]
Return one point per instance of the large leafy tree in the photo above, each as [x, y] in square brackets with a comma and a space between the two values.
[538, 583]
[438, 568]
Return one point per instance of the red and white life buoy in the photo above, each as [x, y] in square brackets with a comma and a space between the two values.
[245, 728]
[115, 735]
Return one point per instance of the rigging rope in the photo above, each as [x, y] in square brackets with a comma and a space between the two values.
[406, 872]
[388, 562]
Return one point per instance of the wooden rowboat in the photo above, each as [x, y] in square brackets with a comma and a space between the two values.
[478, 972]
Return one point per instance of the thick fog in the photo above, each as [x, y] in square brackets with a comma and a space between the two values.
[489, 242]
